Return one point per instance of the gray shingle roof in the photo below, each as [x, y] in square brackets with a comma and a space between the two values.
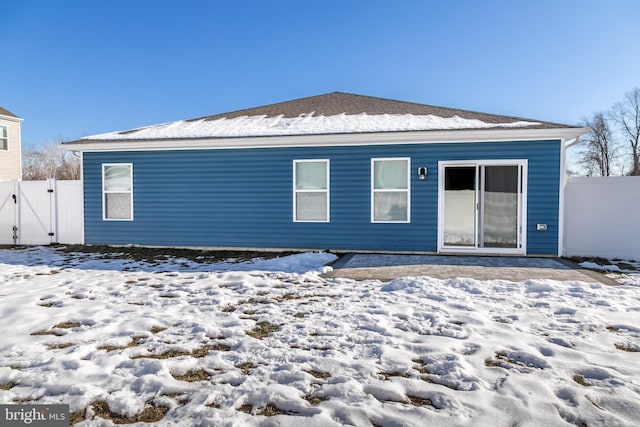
[339, 102]
[4, 112]
[333, 114]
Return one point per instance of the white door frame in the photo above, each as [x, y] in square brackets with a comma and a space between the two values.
[521, 248]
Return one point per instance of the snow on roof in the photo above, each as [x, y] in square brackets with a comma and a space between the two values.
[305, 124]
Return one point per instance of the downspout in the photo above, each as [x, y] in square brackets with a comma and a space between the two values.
[563, 184]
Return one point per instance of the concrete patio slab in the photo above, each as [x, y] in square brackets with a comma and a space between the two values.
[386, 267]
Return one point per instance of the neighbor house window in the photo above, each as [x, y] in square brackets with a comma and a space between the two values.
[390, 201]
[4, 145]
[311, 190]
[117, 191]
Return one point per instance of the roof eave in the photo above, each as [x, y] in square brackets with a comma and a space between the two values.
[11, 118]
[316, 140]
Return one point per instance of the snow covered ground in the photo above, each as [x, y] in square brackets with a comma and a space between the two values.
[270, 342]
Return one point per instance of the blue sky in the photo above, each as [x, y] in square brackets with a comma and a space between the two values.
[76, 68]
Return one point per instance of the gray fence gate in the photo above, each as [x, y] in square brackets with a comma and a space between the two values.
[41, 212]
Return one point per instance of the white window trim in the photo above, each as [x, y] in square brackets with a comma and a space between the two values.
[104, 193]
[4, 138]
[326, 191]
[407, 190]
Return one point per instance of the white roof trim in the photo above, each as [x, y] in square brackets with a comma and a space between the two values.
[349, 139]
[11, 118]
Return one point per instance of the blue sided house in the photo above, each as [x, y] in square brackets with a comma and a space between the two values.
[337, 172]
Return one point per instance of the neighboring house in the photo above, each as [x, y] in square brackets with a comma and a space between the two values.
[336, 171]
[10, 148]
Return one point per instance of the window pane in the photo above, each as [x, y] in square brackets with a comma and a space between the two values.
[118, 205]
[311, 206]
[500, 210]
[311, 175]
[117, 178]
[460, 205]
[3, 131]
[390, 174]
[390, 206]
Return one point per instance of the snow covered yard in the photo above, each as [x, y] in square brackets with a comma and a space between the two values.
[270, 342]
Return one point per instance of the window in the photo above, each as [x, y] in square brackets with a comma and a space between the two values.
[390, 190]
[4, 145]
[117, 191]
[311, 190]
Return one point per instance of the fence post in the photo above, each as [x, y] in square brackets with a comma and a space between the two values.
[16, 212]
[53, 209]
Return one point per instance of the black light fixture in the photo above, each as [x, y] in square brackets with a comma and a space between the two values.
[422, 173]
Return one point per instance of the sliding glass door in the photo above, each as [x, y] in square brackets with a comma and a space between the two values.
[482, 206]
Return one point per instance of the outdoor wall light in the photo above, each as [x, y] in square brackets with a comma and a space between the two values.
[422, 173]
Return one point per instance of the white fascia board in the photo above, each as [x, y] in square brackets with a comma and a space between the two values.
[11, 118]
[350, 139]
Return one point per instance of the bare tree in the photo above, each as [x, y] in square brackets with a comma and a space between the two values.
[49, 161]
[626, 115]
[599, 147]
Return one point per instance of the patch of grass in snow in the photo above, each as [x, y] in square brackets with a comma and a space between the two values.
[207, 348]
[150, 414]
[299, 315]
[157, 329]
[193, 375]
[387, 375]
[419, 401]
[318, 374]
[613, 328]
[199, 352]
[62, 325]
[67, 325]
[315, 400]
[256, 301]
[247, 409]
[502, 360]
[215, 404]
[271, 410]
[627, 347]
[229, 308]
[164, 355]
[287, 296]
[134, 342]
[421, 366]
[45, 332]
[581, 380]
[262, 329]
[49, 273]
[56, 346]
[76, 417]
[245, 367]
[46, 304]
[8, 385]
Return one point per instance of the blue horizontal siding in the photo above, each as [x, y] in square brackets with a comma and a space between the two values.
[243, 198]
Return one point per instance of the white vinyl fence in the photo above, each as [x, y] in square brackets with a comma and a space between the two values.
[41, 212]
[602, 217]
